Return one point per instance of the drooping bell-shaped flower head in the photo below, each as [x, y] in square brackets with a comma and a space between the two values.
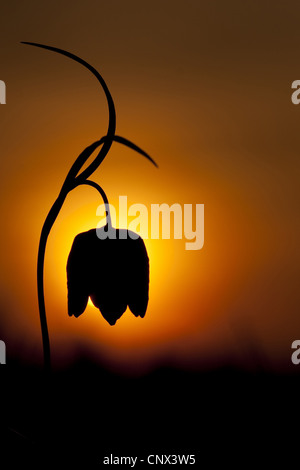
[113, 272]
[111, 266]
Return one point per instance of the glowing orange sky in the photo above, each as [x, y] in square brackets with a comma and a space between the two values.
[205, 94]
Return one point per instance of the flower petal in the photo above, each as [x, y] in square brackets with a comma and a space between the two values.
[76, 279]
[114, 272]
[138, 279]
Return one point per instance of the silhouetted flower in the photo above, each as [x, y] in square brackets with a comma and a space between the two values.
[113, 271]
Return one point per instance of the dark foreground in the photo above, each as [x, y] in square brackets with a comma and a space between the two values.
[76, 418]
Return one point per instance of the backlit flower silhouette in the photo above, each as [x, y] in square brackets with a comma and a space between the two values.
[112, 271]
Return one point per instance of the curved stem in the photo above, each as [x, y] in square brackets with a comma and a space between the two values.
[111, 109]
[71, 181]
[68, 185]
[104, 197]
[48, 224]
[50, 219]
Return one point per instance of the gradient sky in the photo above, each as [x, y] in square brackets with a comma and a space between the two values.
[205, 88]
